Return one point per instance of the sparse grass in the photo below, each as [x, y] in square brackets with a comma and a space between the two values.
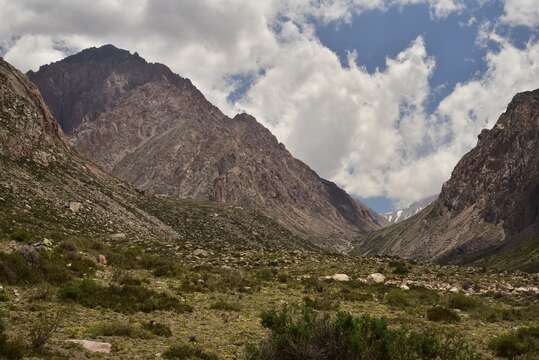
[399, 268]
[124, 299]
[463, 302]
[188, 352]
[21, 235]
[122, 329]
[524, 341]
[323, 302]
[442, 314]
[157, 328]
[301, 334]
[225, 306]
[9, 349]
[43, 328]
[397, 298]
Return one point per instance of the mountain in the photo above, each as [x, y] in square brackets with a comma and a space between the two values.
[49, 191]
[396, 216]
[489, 209]
[154, 129]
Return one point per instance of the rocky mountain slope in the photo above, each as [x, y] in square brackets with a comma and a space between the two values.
[48, 191]
[396, 216]
[488, 207]
[154, 129]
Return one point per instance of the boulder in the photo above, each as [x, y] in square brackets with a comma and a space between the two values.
[102, 259]
[75, 206]
[93, 346]
[200, 253]
[376, 278]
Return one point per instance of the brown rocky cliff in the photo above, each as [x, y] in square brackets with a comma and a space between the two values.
[156, 130]
[490, 202]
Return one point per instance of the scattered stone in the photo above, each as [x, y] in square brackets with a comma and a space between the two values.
[118, 236]
[337, 277]
[405, 287]
[75, 206]
[93, 346]
[376, 278]
[200, 253]
[102, 259]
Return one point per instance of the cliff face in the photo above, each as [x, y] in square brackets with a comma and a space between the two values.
[154, 129]
[488, 205]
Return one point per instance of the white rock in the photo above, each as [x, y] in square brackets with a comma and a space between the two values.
[454, 290]
[376, 278]
[340, 277]
[405, 287]
[75, 206]
[200, 252]
[94, 346]
[118, 236]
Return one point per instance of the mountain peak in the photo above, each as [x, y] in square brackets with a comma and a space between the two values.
[152, 128]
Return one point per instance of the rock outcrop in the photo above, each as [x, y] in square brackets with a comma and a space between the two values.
[488, 207]
[154, 129]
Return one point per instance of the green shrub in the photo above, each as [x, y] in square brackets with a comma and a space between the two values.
[188, 352]
[121, 329]
[302, 334]
[9, 349]
[397, 298]
[463, 302]
[283, 277]
[124, 299]
[265, 274]
[519, 342]
[322, 303]
[21, 235]
[42, 329]
[225, 306]
[399, 268]
[31, 267]
[157, 328]
[442, 314]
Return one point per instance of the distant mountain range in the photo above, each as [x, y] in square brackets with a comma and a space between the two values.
[396, 216]
[154, 129]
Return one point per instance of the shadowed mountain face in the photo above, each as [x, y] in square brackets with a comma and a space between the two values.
[154, 129]
[490, 204]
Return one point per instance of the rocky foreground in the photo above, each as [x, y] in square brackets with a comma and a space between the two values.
[212, 298]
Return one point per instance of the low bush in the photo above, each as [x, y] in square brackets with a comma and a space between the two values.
[43, 328]
[442, 314]
[397, 298]
[322, 302]
[9, 349]
[188, 352]
[225, 306]
[265, 274]
[20, 268]
[463, 302]
[157, 328]
[524, 341]
[302, 334]
[21, 235]
[399, 268]
[126, 299]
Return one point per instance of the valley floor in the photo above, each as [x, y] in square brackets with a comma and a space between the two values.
[212, 298]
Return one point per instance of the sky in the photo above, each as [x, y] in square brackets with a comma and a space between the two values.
[381, 96]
